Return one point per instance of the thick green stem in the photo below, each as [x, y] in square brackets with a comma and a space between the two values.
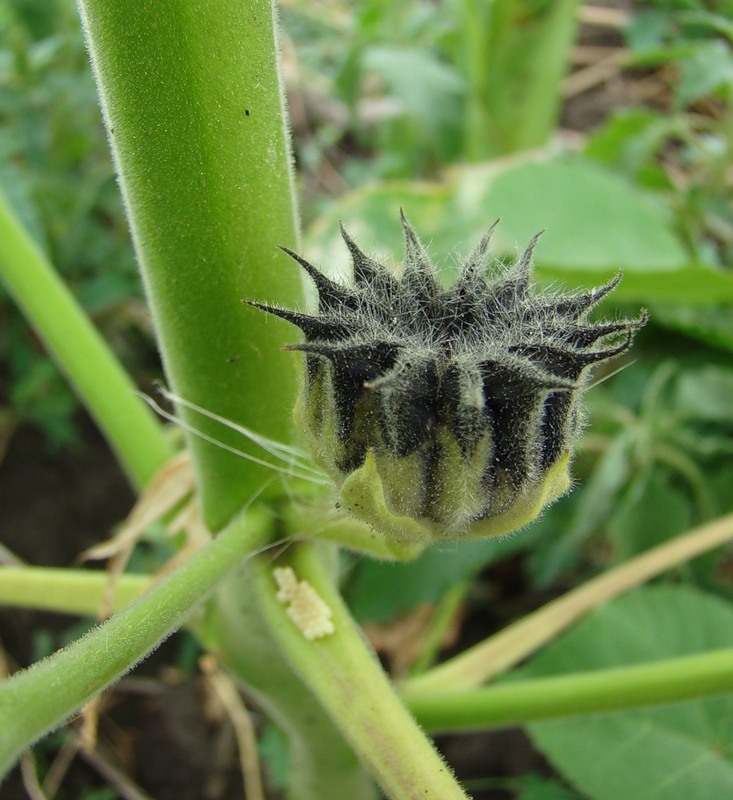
[194, 110]
[687, 678]
[40, 698]
[322, 766]
[348, 681]
[102, 385]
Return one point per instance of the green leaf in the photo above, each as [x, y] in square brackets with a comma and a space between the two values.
[382, 590]
[595, 504]
[427, 89]
[41, 395]
[534, 787]
[594, 219]
[705, 71]
[596, 223]
[719, 23]
[674, 752]
[650, 511]
[273, 749]
[629, 143]
[647, 30]
[713, 326]
[706, 394]
[619, 142]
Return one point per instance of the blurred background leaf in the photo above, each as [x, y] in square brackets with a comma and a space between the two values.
[677, 751]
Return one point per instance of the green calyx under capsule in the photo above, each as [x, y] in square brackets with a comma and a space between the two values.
[446, 413]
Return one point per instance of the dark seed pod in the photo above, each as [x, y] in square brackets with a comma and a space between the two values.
[447, 412]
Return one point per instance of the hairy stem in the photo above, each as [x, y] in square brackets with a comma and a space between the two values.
[66, 591]
[351, 685]
[322, 766]
[98, 379]
[638, 686]
[194, 110]
[36, 700]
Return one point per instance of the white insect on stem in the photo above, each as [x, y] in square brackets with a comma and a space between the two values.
[304, 605]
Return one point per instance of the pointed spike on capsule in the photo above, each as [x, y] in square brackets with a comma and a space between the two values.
[526, 258]
[283, 313]
[418, 276]
[599, 293]
[366, 270]
[312, 327]
[313, 349]
[589, 335]
[569, 364]
[577, 305]
[372, 357]
[636, 324]
[330, 293]
[586, 336]
[416, 256]
[577, 360]
[476, 261]
[602, 355]
[314, 272]
[523, 267]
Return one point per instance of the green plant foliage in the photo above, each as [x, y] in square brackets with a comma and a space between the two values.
[411, 102]
[383, 590]
[713, 326]
[429, 83]
[56, 171]
[427, 95]
[583, 207]
[675, 752]
[694, 42]
[647, 512]
[378, 591]
[663, 435]
[696, 39]
[533, 787]
[39, 394]
[649, 147]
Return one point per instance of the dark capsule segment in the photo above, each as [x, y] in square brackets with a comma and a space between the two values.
[453, 408]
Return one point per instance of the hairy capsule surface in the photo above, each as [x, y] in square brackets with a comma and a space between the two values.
[446, 412]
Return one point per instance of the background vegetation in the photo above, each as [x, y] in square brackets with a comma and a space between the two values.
[612, 128]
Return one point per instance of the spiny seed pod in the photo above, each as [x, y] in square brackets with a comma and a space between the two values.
[446, 413]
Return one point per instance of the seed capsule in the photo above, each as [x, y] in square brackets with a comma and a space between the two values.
[447, 413]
